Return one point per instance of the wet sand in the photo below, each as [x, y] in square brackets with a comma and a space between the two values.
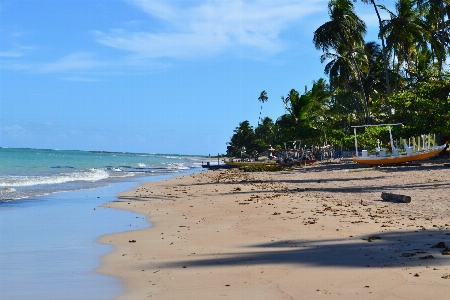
[322, 230]
[48, 249]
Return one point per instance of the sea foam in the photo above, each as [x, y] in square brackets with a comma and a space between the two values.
[91, 175]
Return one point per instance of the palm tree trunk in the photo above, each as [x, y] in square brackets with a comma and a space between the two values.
[441, 55]
[397, 73]
[385, 63]
[358, 74]
[358, 108]
[363, 93]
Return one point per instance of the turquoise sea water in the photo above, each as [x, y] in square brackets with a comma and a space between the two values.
[27, 173]
[51, 216]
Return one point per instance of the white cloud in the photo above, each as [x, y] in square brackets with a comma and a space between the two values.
[74, 61]
[16, 51]
[156, 8]
[75, 132]
[12, 130]
[80, 79]
[78, 61]
[210, 27]
[179, 29]
[11, 54]
[165, 45]
[86, 67]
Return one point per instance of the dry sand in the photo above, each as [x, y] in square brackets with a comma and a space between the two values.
[318, 232]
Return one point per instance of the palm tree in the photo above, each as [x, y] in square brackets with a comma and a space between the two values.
[424, 62]
[262, 98]
[243, 136]
[266, 131]
[433, 12]
[292, 104]
[342, 99]
[340, 72]
[286, 128]
[319, 100]
[374, 85]
[383, 46]
[404, 32]
[344, 29]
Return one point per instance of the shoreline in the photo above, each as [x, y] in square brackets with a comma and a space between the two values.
[300, 234]
[50, 241]
[49, 248]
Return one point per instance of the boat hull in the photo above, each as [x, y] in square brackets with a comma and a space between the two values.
[391, 160]
[214, 167]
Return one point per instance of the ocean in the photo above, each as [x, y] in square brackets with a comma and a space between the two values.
[27, 173]
[52, 213]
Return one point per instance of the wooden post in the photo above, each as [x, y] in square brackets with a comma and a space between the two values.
[395, 197]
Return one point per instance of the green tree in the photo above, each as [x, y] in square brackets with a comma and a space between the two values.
[433, 12]
[374, 85]
[405, 34]
[317, 111]
[415, 39]
[425, 107]
[340, 72]
[262, 98]
[307, 113]
[294, 104]
[243, 137]
[383, 45]
[345, 33]
[266, 131]
[287, 129]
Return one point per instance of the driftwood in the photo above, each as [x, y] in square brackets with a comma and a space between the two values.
[395, 197]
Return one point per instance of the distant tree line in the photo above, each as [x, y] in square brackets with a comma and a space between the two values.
[405, 80]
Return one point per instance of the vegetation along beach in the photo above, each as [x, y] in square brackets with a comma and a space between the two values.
[308, 138]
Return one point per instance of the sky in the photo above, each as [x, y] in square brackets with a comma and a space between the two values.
[152, 76]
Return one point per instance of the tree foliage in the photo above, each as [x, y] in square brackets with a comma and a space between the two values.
[424, 108]
[405, 80]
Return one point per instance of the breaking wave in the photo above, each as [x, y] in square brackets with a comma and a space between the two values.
[91, 175]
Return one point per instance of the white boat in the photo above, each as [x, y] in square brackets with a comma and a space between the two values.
[395, 157]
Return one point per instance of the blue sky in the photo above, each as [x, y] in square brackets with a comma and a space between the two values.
[152, 76]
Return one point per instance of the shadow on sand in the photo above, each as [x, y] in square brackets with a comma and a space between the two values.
[393, 249]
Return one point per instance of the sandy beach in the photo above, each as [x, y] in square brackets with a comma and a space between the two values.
[318, 232]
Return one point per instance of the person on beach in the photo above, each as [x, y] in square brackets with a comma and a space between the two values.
[255, 155]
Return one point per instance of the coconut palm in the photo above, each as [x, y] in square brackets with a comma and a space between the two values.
[424, 62]
[243, 136]
[293, 104]
[318, 111]
[383, 46]
[345, 29]
[405, 33]
[262, 98]
[433, 12]
[340, 73]
[374, 83]
[266, 131]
